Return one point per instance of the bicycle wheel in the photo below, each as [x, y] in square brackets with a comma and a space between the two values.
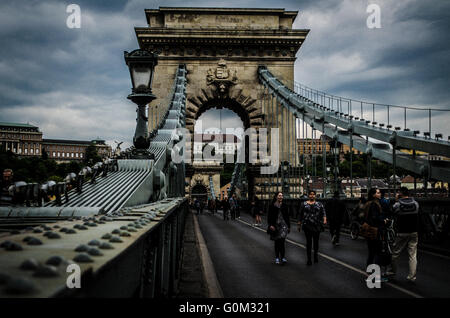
[354, 231]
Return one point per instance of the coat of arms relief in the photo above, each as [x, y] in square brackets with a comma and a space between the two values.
[222, 78]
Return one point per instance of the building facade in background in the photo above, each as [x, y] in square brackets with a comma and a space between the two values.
[26, 140]
[67, 150]
[21, 139]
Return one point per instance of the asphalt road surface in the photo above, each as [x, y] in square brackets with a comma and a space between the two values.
[243, 258]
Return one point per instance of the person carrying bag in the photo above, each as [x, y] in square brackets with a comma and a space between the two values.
[278, 226]
[312, 218]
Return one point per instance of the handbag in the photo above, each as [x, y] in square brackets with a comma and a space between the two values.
[270, 232]
[369, 232]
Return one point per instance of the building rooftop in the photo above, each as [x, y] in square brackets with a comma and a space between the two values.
[65, 141]
[4, 124]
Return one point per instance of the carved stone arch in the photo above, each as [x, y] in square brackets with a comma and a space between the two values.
[244, 105]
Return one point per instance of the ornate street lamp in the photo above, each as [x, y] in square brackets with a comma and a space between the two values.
[335, 147]
[142, 65]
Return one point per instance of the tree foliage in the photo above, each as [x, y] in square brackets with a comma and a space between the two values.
[36, 169]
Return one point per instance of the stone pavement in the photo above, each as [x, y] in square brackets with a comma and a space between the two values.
[192, 283]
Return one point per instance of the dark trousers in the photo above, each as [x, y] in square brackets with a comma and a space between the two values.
[233, 213]
[225, 214]
[335, 229]
[374, 247]
[312, 238]
[280, 248]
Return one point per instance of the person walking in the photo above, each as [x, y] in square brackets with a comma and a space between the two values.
[256, 211]
[233, 206]
[279, 226]
[335, 212]
[197, 206]
[216, 205]
[406, 215]
[225, 208]
[213, 206]
[373, 216]
[312, 217]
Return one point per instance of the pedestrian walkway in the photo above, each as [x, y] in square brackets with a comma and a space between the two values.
[192, 279]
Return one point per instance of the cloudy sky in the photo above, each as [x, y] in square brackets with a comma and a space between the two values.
[73, 83]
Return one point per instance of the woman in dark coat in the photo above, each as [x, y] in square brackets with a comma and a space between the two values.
[256, 211]
[312, 217]
[373, 215]
[278, 226]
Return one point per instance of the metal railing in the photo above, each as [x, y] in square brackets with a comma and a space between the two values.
[363, 135]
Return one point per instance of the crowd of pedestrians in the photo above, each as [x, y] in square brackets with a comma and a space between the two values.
[376, 214]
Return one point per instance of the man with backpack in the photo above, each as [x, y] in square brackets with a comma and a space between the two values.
[406, 214]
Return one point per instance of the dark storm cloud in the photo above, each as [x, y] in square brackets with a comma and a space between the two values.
[73, 83]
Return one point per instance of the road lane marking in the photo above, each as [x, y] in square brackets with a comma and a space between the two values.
[410, 293]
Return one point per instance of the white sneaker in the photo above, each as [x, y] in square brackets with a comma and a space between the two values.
[412, 280]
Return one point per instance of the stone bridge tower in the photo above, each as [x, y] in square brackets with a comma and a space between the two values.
[222, 49]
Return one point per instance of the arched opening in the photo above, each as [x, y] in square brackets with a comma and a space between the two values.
[215, 117]
[199, 192]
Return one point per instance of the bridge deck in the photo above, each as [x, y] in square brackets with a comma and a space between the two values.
[243, 257]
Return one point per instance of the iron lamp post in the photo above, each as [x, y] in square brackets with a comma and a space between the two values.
[141, 65]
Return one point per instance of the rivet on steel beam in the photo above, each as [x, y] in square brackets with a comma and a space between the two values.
[82, 248]
[83, 258]
[34, 241]
[124, 228]
[106, 246]
[37, 231]
[54, 235]
[94, 243]
[55, 260]
[30, 264]
[125, 233]
[64, 229]
[115, 239]
[95, 252]
[56, 226]
[19, 285]
[107, 236]
[13, 246]
[46, 271]
[116, 231]
[71, 231]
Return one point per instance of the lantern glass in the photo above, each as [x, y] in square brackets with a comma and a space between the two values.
[141, 77]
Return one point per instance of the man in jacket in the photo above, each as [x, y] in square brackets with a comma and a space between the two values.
[225, 208]
[406, 214]
[335, 211]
